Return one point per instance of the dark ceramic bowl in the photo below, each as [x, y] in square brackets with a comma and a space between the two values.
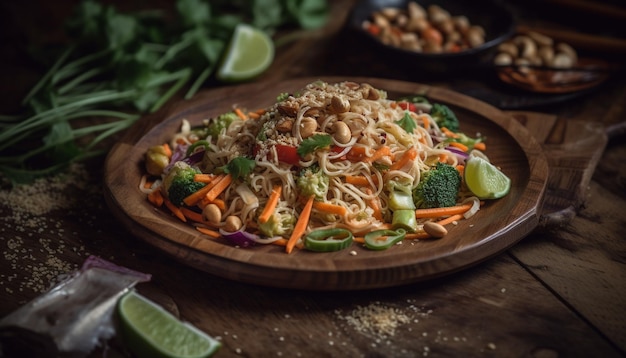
[495, 18]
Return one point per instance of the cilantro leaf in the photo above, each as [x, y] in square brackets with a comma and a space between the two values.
[239, 167]
[313, 143]
[407, 123]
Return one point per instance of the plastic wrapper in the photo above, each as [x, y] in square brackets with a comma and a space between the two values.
[73, 317]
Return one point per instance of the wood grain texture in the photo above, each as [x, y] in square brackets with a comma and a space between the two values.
[573, 149]
[509, 219]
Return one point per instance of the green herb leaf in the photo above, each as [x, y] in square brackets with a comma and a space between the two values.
[239, 167]
[193, 12]
[308, 13]
[313, 143]
[407, 123]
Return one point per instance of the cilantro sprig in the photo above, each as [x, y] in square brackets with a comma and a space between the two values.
[407, 123]
[239, 167]
[313, 143]
[120, 66]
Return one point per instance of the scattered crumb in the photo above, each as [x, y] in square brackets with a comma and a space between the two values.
[23, 211]
[376, 319]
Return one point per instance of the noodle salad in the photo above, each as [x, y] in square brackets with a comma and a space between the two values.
[320, 169]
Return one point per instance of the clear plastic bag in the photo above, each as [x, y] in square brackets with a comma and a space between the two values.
[73, 317]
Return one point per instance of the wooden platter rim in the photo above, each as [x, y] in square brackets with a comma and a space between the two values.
[317, 272]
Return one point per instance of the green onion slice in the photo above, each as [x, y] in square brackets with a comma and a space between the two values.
[196, 144]
[383, 239]
[327, 240]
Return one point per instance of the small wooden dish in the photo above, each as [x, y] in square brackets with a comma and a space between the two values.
[499, 224]
[588, 73]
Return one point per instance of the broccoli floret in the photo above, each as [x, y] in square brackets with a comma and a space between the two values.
[178, 182]
[438, 187]
[313, 181]
[217, 125]
[444, 117]
[278, 224]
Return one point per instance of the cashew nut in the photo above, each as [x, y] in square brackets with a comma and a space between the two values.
[503, 59]
[437, 14]
[232, 223]
[341, 132]
[540, 39]
[212, 214]
[527, 46]
[339, 104]
[510, 48]
[308, 126]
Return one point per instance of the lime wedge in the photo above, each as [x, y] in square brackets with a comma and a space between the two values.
[249, 53]
[151, 331]
[484, 179]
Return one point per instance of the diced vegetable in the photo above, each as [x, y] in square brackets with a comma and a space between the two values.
[328, 240]
[383, 239]
[404, 219]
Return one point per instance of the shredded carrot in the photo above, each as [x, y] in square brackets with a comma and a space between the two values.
[449, 133]
[359, 180]
[426, 122]
[212, 233]
[460, 168]
[272, 201]
[408, 156]
[148, 184]
[240, 114]
[191, 215]
[461, 146]
[416, 236]
[204, 178]
[156, 197]
[379, 153]
[356, 154]
[443, 158]
[439, 212]
[329, 208]
[359, 239]
[219, 187]
[480, 146]
[168, 150]
[219, 202]
[280, 242]
[374, 203]
[450, 219]
[301, 225]
[254, 115]
[193, 198]
[175, 210]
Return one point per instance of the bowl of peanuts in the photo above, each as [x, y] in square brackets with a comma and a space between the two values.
[435, 36]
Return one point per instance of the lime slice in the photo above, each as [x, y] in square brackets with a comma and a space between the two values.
[151, 331]
[249, 53]
[484, 179]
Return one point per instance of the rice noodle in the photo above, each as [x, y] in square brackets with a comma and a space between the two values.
[373, 123]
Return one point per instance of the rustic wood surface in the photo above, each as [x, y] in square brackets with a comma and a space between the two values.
[558, 292]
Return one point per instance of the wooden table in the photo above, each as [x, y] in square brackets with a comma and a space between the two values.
[557, 293]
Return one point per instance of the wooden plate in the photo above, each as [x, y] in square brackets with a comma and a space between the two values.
[499, 225]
